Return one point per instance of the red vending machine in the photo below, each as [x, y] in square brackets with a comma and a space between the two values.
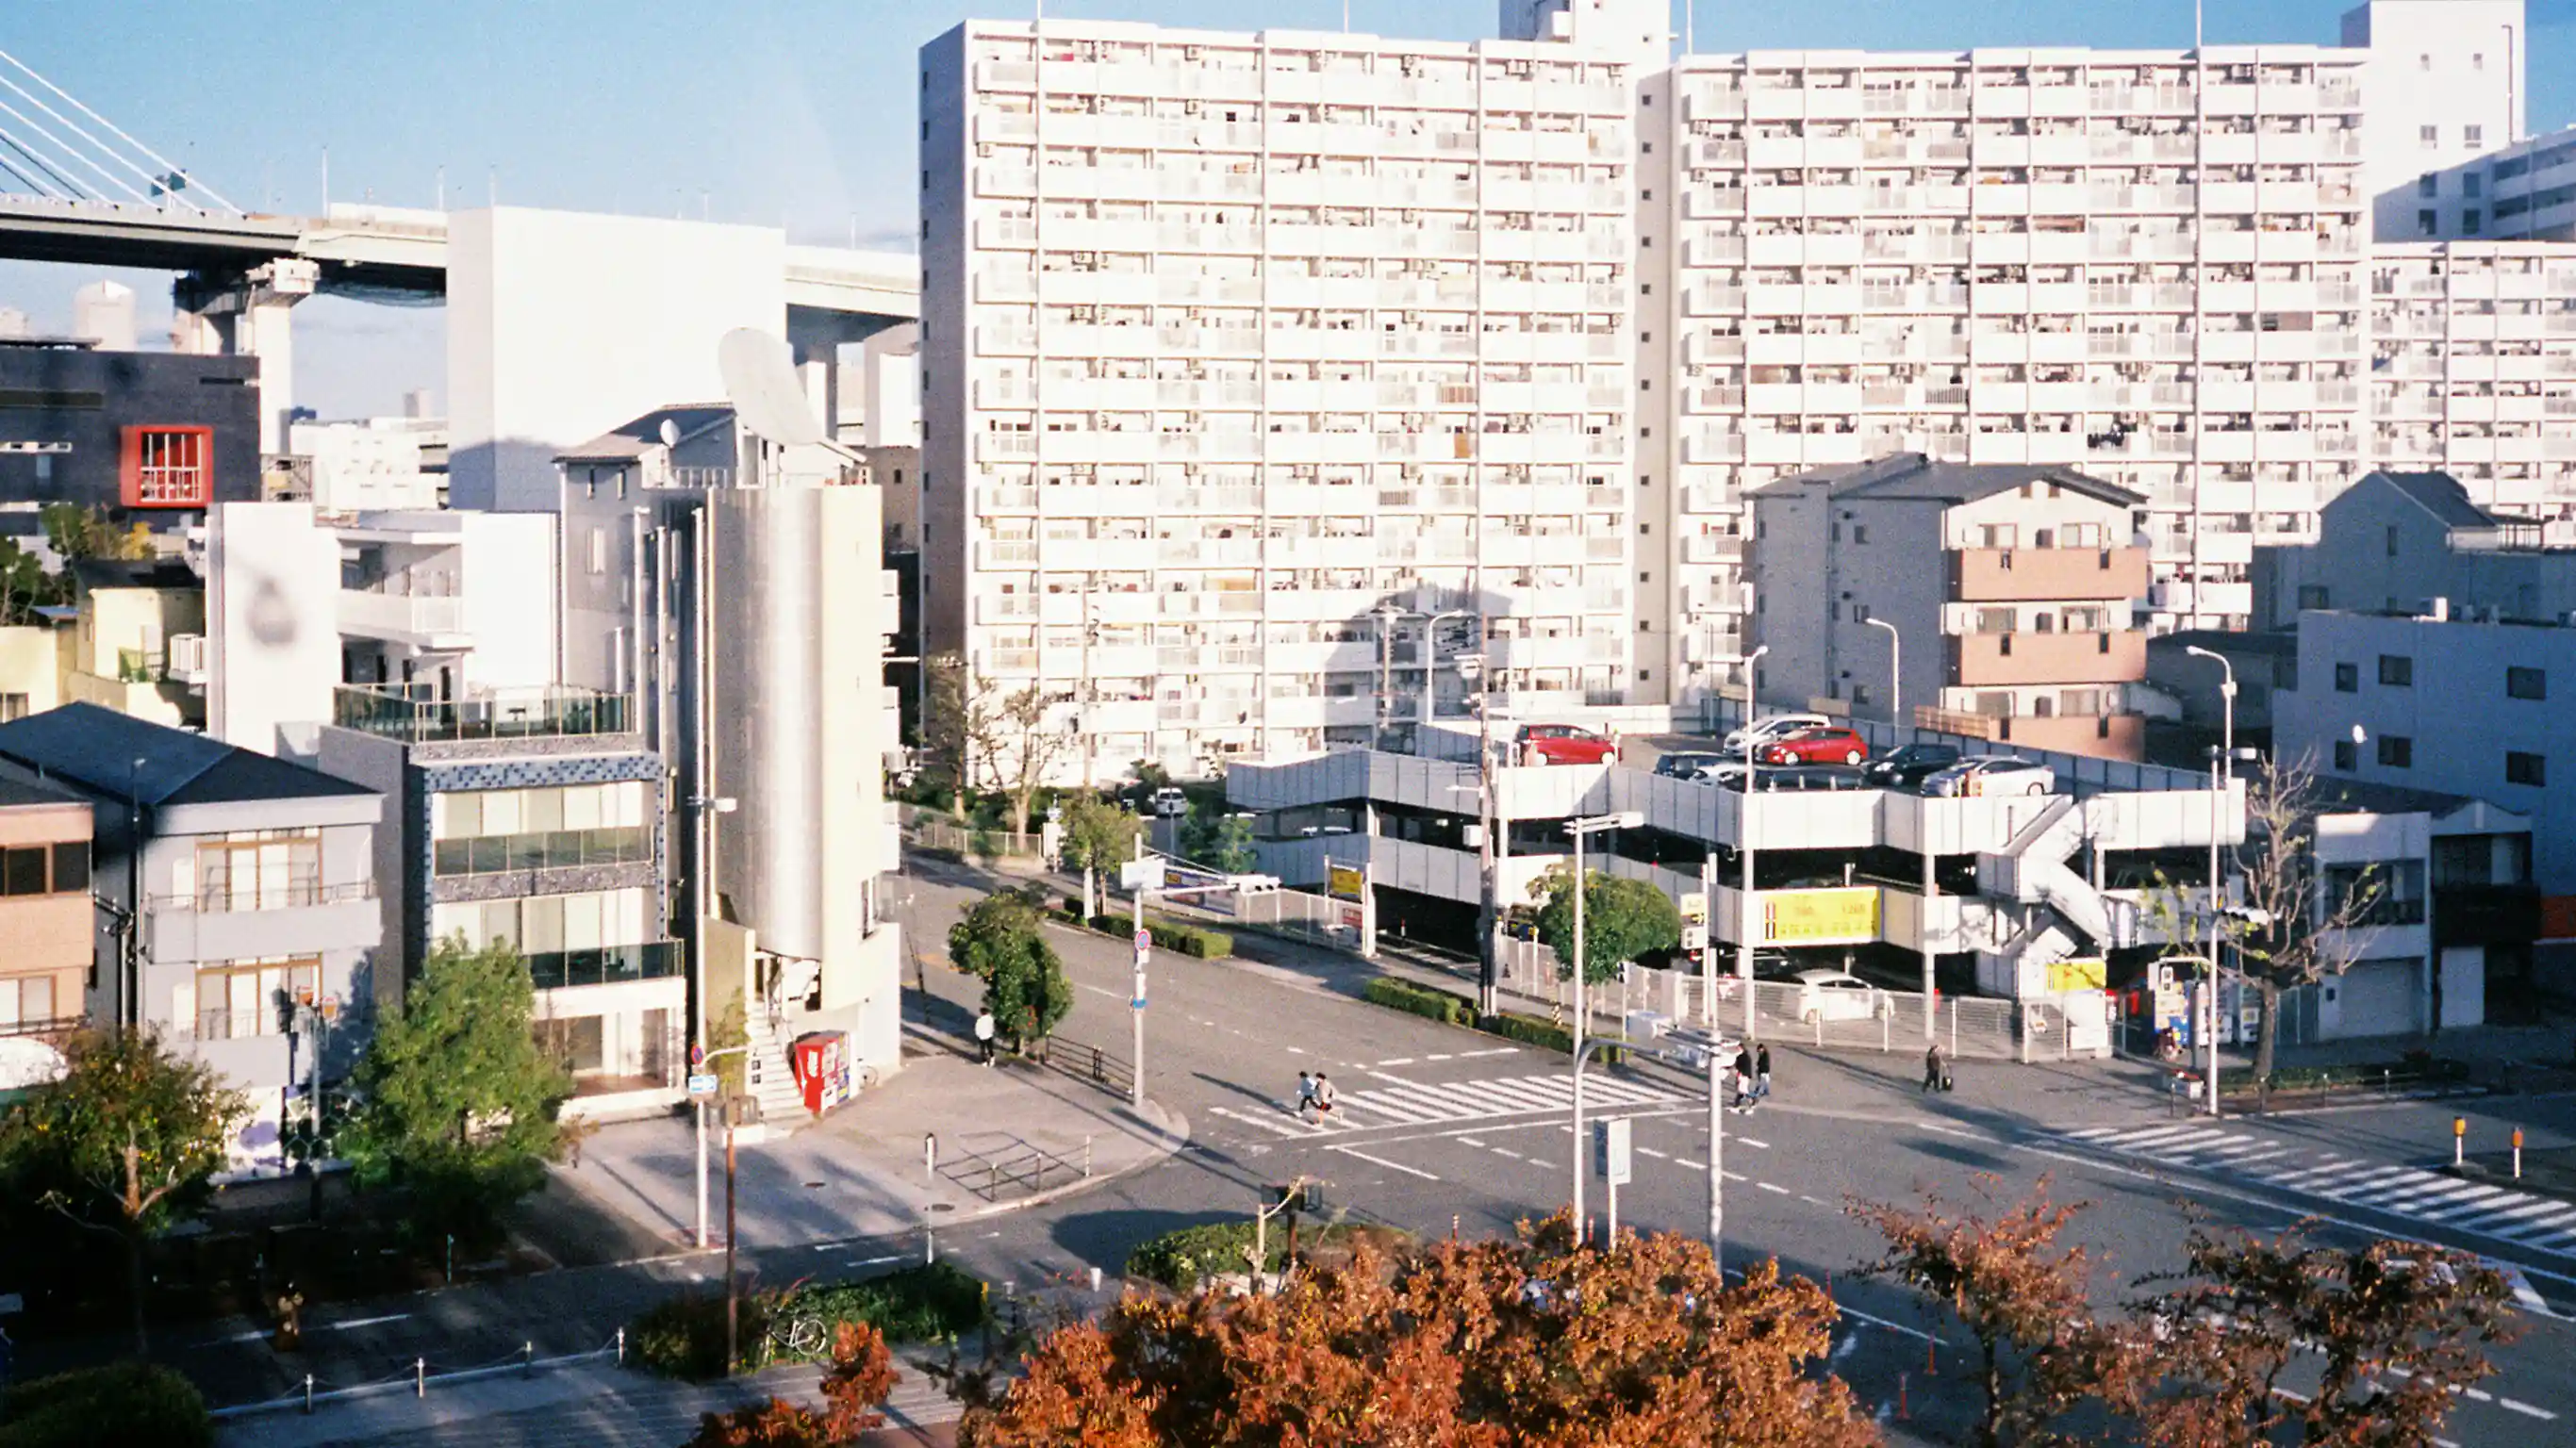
[822, 1064]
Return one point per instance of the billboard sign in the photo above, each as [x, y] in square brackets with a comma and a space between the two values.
[1842, 915]
[1349, 882]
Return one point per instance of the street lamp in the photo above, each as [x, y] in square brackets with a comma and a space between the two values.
[1744, 901]
[1895, 671]
[2225, 753]
[1581, 828]
[703, 806]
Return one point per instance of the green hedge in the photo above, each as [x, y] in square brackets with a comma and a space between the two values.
[1531, 1030]
[2410, 1070]
[683, 1336]
[1187, 939]
[1420, 1000]
[97, 1407]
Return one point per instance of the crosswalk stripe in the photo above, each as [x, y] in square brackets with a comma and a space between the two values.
[2541, 1225]
[2325, 1168]
[2135, 1140]
[2092, 1133]
[1366, 1104]
[1275, 1127]
[2520, 1207]
[1441, 1103]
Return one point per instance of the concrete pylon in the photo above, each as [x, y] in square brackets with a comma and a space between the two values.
[249, 315]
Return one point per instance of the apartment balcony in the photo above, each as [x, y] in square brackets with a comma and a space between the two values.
[2001, 575]
[426, 621]
[606, 965]
[553, 711]
[258, 919]
[1979, 659]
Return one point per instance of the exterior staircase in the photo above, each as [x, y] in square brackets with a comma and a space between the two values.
[2060, 914]
[770, 1080]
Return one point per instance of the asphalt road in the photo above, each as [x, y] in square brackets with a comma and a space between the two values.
[1443, 1128]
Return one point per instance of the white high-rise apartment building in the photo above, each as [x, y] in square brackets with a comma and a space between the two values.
[1232, 342]
[2446, 84]
[2473, 369]
[2144, 265]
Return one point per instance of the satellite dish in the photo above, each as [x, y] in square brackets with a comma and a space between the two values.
[670, 433]
[760, 381]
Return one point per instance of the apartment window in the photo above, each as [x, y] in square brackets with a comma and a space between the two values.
[1860, 532]
[2396, 751]
[1860, 613]
[2343, 755]
[2397, 671]
[2470, 221]
[272, 870]
[2472, 185]
[245, 998]
[598, 551]
[2521, 768]
[2313, 595]
[166, 467]
[26, 1004]
[2430, 136]
[2392, 541]
[2347, 678]
[2428, 186]
[2427, 223]
[2473, 136]
[45, 869]
[2520, 683]
[1860, 696]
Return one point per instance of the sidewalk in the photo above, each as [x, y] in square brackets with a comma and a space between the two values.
[1008, 1136]
[602, 1407]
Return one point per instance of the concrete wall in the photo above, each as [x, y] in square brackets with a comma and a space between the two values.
[84, 401]
[511, 597]
[560, 326]
[2449, 64]
[31, 663]
[944, 479]
[273, 634]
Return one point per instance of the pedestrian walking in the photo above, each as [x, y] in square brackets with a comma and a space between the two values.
[1305, 1094]
[1761, 1072]
[1936, 1076]
[1323, 1098]
[1743, 1079]
[984, 1036]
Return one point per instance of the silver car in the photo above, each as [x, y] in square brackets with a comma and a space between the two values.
[1991, 774]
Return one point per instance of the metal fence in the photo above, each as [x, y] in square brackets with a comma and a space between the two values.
[1097, 1065]
[420, 1377]
[969, 842]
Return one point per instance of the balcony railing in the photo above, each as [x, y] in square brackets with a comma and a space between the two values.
[524, 714]
[542, 850]
[218, 897]
[604, 965]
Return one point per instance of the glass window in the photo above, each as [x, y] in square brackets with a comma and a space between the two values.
[2347, 678]
[2314, 595]
[22, 871]
[2522, 683]
[2521, 768]
[2397, 671]
[71, 866]
[2428, 186]
[2396, 751]
[2344, 755]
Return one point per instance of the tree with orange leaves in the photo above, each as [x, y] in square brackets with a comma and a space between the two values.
[861, 1377]
[2391, 1332]
[2018, 1293]
[1530, 1340]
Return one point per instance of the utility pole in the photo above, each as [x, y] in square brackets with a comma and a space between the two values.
[1748, 908]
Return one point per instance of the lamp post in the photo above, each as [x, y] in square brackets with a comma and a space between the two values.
[1581, 828]
[1744, 902]
[2223, 757]
[702, 806]
[1895, 671]
[732, 1303]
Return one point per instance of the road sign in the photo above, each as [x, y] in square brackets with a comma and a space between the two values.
[1610, 1143]
[1694, 937]
[702, 1085]
[697, 1056]
[1145, 874]
[1695, 907]
[1144, 940]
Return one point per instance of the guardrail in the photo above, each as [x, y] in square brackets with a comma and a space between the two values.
[418, 1379]
[1095, 1064]
[1027, 1169]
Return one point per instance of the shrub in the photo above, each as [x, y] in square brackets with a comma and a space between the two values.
[1420, 1000]
[1187, 939]
[683, 1336]
[1530, 1030]
[122, 1403]
[2415, 1068]
[1182, 1259]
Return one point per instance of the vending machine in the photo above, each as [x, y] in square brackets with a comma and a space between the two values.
[821, 1061]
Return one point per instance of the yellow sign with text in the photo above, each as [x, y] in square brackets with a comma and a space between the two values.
[1838, 916]
[1349, 882]
[2066, 975]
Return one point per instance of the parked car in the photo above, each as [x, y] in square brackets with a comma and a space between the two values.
[1992, 774]
[1169, 800]
[1763, 731]
[1816, 744]
[1908, 765]
[1806, 776]
[1833, 995]
[1565, 744]
[1688, 765]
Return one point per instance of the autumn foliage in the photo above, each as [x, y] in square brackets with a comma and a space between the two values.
[861, 1377]
[1530, 1340]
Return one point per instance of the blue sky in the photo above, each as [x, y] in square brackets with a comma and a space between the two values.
[793, 111]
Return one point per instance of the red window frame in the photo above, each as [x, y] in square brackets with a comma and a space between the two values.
[166, 467]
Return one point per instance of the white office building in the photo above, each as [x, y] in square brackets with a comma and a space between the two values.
[1232, 341]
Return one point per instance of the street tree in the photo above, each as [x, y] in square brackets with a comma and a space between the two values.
[976, 735]
[1623, 919]
[2390, 1334]
[1000, 941]
[1529, 1339]
[26, 585]
[860, 1378]
[1099, 835]
[954, 733]
[1216, 838]
[123, 1145]
[76, 532]
[456, 1100]
[2294, 923]
[1029, 741]
[2019, 1294]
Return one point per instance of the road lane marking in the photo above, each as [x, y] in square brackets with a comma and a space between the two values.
[365, 1321]
[1683, 1161]
[1292, 1050]
[1650, 1151]
[1389, 1165]
[1495, 1051]
[1399, 1061]
[1766, 1186]
[1439, 1056]
[1470, 1141]
[1749, 1141]
[879, 1261]
[1504, 1151]
[2516, 1405]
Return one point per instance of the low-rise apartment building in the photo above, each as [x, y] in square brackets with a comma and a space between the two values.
[138, 646]
[45, 911]
[2445, 938]
[2401, 542]
[2004, 592]
[236, 895]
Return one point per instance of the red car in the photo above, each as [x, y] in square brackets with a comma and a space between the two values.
[1825, 744]
[1564, 744]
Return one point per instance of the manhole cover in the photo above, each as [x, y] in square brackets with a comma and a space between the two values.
[937, 1207]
